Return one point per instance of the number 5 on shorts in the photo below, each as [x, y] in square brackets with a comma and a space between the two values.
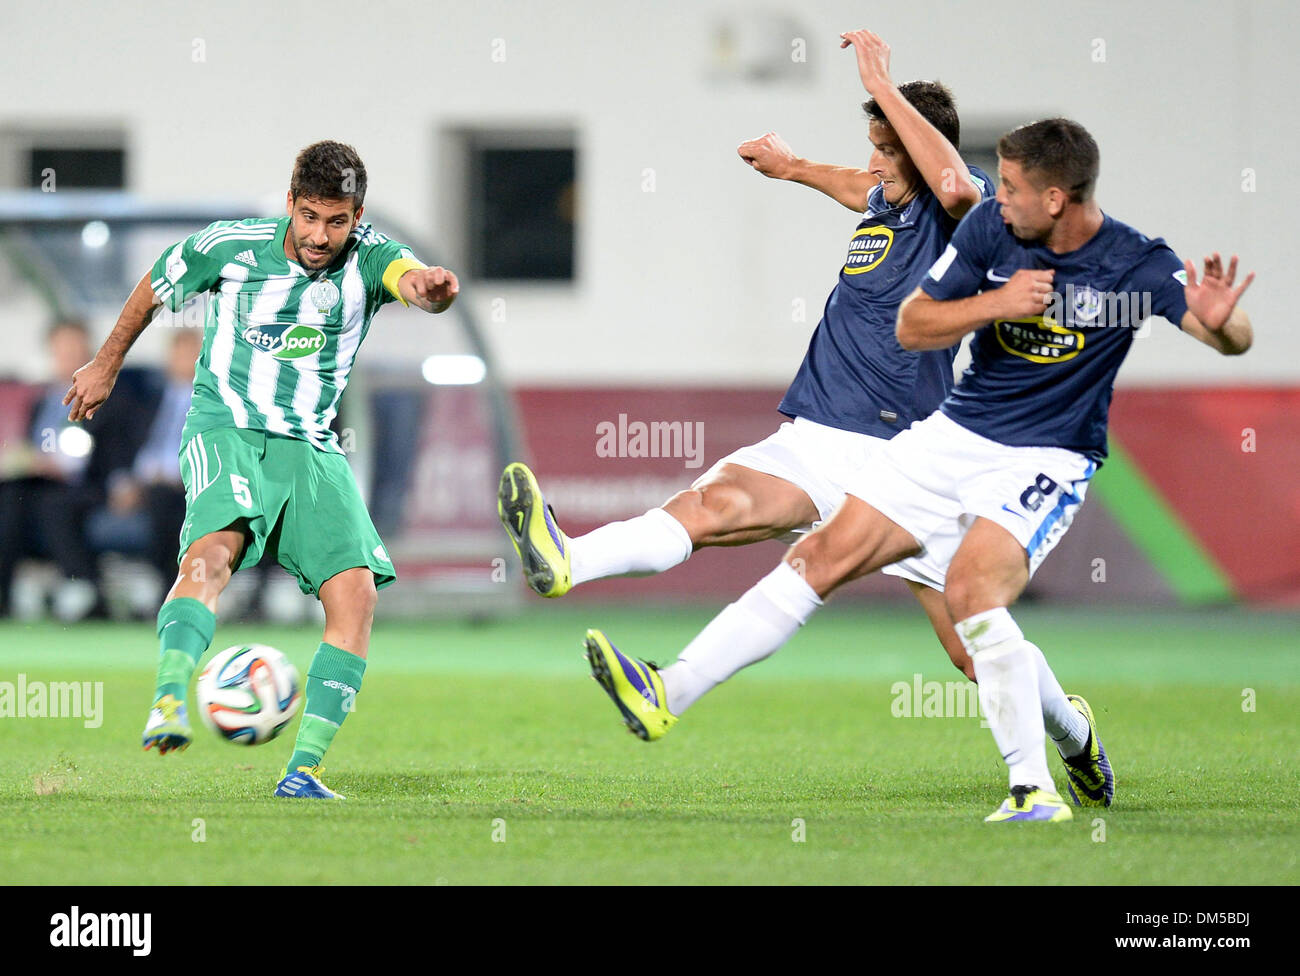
[239, 488]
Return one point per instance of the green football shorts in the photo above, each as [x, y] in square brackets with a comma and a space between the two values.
[300, 504]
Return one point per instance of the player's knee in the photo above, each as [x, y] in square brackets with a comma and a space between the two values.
[813, 558]
[367, 596]
[967, 595]
[711, 509]
[352, 593]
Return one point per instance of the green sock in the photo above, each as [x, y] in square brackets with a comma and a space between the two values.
[185, 629]
[333, 681]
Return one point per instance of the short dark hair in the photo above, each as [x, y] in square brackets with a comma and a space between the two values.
[935, 103]
[1058, 152]
[329, 171]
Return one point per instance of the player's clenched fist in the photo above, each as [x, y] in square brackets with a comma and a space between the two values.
[432, 289]
[1027, 292]
[770, 155]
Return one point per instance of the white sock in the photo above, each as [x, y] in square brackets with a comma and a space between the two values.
[1065, 723]
[1009, 694]
[641, 546]
[747, 631]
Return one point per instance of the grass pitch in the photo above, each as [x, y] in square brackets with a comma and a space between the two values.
[483, 754]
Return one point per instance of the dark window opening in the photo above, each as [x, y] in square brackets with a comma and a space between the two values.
[523, 213]
[77, 169]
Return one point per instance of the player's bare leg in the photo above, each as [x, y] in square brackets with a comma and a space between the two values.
[349, 599]
[936, 609]
[186, 624]
[333, 680]
[733, 506]
[207, 566]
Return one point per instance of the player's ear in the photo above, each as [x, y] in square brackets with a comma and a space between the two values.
[356, 217]
[288, 202]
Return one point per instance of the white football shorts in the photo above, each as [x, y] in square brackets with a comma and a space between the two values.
[935, 478]
[824, 461]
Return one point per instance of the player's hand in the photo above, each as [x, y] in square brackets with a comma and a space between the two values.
[770, 155]
[1213, 298]
[873, 59]
[91, 386]
[1026, 293]
[432, 289]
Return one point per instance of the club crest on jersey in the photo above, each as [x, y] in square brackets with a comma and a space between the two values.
[323, 295]
[1087, 303]
[1038, 339]
[867, 249]
[286, 341]
[175, 268]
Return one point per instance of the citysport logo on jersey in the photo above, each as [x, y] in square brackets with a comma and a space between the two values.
[867, 249]
[286, 341]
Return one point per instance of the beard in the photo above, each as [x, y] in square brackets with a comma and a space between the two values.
[305, 258]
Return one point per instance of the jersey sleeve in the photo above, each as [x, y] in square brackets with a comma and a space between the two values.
[184, 270]
[982, 182]
[383, 261]
[1162, 276]
[959, 272]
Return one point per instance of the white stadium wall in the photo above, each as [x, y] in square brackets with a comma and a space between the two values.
[698, 281]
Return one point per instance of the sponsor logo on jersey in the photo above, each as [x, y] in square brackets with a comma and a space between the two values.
[867, 249]
[1038, 339]
[286, 341]
[247, 258]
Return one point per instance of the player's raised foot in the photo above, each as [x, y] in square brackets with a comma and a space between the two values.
[304, 783]
[1031, 803]
[168, 726]
[1090, 779]
[543, 549]
[634, 686]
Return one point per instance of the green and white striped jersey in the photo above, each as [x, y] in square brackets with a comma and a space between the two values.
[280, 341]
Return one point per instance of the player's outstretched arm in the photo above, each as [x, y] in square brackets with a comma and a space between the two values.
[938, 162]
[1212, 315]
[432, 289]
[928, 323]
[92, 384]
[771, 156]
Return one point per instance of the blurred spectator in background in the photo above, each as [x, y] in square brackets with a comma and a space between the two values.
[146, 503]
[50, 481]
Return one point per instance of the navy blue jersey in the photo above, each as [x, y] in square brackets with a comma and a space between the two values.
[855, 375]
[1046, 380]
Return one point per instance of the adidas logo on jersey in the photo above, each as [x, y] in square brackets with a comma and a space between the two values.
[247, 257]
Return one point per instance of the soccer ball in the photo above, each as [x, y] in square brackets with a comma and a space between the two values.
[248, 693]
